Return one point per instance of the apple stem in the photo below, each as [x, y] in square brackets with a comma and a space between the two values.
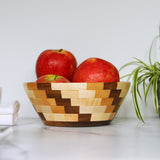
[60, 50]
[55, 77]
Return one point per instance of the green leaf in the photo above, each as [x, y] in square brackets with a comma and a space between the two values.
[150, 50]
[134, 94]
[148, 87]
[128, 64]
[155, 94]
[146, 75]
[145, 65]
[141, 80]
[127, 75]
[144, 87]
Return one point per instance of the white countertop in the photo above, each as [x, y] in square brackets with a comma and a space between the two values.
[123, 139]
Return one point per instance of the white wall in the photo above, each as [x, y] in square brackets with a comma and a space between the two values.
[115, 30]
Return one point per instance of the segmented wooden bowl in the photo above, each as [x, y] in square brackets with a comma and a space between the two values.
[76, 104]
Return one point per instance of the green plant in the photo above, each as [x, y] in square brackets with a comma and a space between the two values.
[145, 75]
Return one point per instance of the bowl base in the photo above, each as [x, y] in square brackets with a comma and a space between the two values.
[76, 124]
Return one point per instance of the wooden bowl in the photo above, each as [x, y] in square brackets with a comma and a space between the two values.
[76, 104]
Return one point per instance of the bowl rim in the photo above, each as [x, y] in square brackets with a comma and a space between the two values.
[79, 82]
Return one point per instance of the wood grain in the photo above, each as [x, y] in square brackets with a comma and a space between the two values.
[76, 104]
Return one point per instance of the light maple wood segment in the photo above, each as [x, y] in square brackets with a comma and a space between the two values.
[79, 102]
[86, 93]
[48, 116]
[100, 116]
[68, 86]
[43, 108]
[112, 116]
[124, 88]
[71, 117]
[86, 109]
[99, 109]
[86, 101]
[30, 93]
[92, 109]
[54, 117]
[96, 102]
[59, 117]
[70, 93]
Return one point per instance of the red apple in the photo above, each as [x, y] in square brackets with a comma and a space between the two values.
[50, 78]
[96, 70]
[59, 62]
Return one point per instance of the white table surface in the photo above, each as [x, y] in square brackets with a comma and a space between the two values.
[123, 139]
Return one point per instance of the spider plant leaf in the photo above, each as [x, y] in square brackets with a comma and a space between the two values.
[134, 94]
[127, 75]
[155, 67]
[140, 80]
[143, 63]
[139, 94]
[146, 77]
[148, 87]
[155, 100]
[128, 64]
[158, 66]
[143, 78]
[150, 50]
[144, 87]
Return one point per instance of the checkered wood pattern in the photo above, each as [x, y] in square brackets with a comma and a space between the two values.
[76, 104]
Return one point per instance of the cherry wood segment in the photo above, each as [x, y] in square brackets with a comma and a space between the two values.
[77, 124]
